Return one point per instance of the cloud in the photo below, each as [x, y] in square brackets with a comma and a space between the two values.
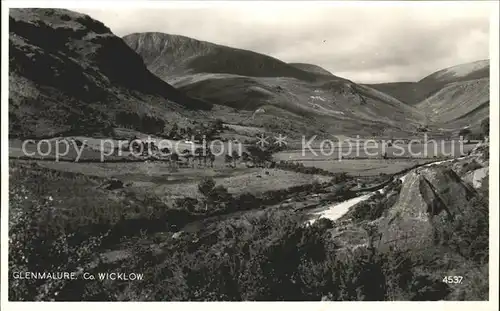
[376, 42]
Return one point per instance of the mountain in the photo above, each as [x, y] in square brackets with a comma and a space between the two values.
[170, 55]
[451, 98]
[459, 104]
[463, 96]
[465, 72]
[413, 93]
[68, 73]
[311, 68]
[251, 82]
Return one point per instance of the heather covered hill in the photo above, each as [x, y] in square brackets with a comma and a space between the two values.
[167, 55]
[336, 106]
[413, 93]
[249, 81]
[464, 72]
[459, 104]
[70, 74]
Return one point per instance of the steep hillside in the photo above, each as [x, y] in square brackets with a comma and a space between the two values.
[415, 92]
[336, 105]
[169, 55]
[69, 74]
[312, 68]
[248, 81]
[459, 104]
[407, 92]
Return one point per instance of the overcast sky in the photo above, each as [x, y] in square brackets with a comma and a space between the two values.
[363, 43]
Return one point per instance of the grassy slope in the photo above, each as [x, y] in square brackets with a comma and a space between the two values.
[459, 104]
[312, 68]
[413, 93]
[248, 81]
[167, 55]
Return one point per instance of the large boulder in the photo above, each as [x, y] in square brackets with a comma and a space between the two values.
[429, 196]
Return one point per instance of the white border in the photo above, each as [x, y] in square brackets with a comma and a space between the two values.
[494, 166]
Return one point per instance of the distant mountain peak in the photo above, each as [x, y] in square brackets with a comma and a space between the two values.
[169, 55]
[462, 72]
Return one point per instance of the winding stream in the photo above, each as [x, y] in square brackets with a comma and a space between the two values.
[337, 210]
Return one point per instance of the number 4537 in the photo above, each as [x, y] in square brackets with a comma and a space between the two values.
[453, 279]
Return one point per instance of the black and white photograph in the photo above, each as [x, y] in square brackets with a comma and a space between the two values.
[176, 151]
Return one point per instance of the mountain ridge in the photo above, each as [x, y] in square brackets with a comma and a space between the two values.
[241, 79]
[183, 55]
[65, 77]
[414, 92]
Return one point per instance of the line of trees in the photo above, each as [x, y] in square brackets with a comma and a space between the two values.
[484, 131]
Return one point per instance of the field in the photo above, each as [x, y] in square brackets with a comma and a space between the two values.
[364, 167]
[372, 150]
[167, 182]
[357, 161]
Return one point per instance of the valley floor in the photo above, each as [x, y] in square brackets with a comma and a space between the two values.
[160, 221]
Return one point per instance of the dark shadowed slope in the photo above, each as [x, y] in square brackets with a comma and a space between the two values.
[69, 73]
[248, 81]
[312, 68]
[407, 92]
[167, 55]
[415, 92]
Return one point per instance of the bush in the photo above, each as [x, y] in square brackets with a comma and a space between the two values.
[206, 186]
[264, 255]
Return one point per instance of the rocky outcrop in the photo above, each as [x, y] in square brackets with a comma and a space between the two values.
[428, 197]
[477, 177]
[475, 167]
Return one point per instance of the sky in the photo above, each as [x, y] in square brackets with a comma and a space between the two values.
[369, 43]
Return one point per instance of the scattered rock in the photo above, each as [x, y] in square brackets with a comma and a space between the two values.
[177, 235]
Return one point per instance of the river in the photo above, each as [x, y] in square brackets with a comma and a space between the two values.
[337, 210]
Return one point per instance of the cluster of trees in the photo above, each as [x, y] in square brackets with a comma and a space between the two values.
[217, 200]
[203, 156]
[154, 125]
[300, 168]
[263, 157]
[485, 127]
[198, 132]
[143, 123]
[484, 131]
